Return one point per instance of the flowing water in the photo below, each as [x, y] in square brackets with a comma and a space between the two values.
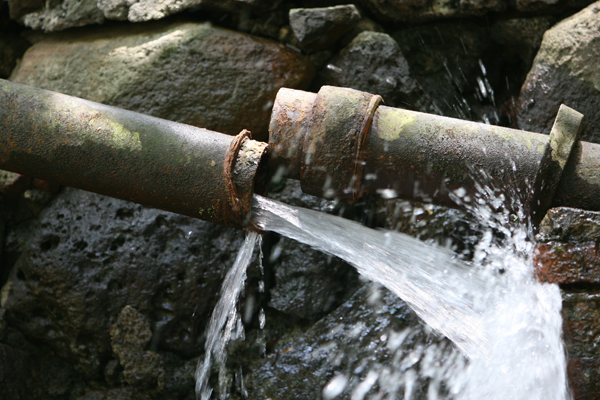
[506, 324]
[224, 319]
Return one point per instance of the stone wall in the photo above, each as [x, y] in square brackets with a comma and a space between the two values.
[104, 299]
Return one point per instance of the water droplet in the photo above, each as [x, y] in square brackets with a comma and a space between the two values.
[483, 70]
[262, 319]
[461, 192]
[335, 387]
[387, 193]
[333, 68]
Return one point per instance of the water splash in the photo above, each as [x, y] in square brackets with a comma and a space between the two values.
[224, 319]
[430, 279]
[507, 324]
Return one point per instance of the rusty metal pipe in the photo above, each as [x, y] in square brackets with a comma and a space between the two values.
[127, 155]
[341, 143]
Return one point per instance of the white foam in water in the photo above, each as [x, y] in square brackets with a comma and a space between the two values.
[224, 319]
[507, 324]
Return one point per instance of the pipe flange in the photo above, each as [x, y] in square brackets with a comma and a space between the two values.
[239, 172]
[564, 134]
[333, 153]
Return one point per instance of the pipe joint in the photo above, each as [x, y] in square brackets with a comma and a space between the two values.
[321, 139]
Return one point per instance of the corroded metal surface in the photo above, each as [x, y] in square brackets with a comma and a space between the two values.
[320, 139]
[289, 124]
[563, 136]
[427, 157]
[333, 149]
[122, 154]
[580, 184]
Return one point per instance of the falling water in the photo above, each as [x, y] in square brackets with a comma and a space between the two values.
[506, 323]
[224, 318]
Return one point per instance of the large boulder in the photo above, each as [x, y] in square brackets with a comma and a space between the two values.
[88, 257]
[187, 72]
[565, 71]
[419, 11]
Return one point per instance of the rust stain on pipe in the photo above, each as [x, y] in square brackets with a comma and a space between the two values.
[135, 157]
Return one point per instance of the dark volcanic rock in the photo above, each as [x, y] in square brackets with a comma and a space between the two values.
[90, 256]
[319, 28]
[565, 72]
[522, 35]
[419, 11]
[445, 58]
[186, 72]
[18, 376]
[374, 63]
[357, 342]
[307, 283]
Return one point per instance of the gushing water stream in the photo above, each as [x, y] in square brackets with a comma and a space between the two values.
[224, 317]
[506, 324]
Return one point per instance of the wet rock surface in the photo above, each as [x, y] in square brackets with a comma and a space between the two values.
[564, 72]
[581, 332]
[446, 58]
[373, 61]
[366, 334]
[320, 28]
[568, 251]
[307, 284]
[186, 72]
[564, 224]
[568, 263]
